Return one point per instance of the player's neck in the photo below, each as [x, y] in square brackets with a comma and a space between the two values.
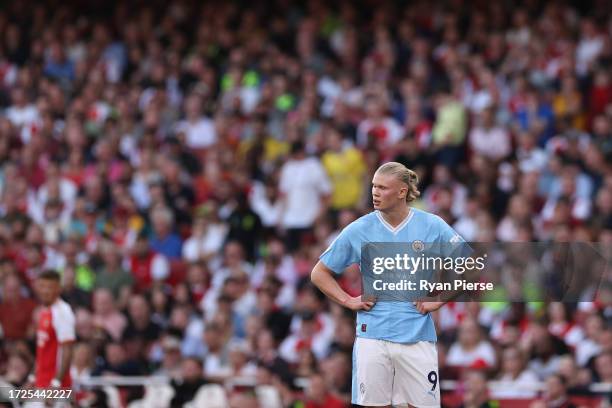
[396, 216]
[50, 304]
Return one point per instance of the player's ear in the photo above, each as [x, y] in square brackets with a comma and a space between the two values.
[402, 193]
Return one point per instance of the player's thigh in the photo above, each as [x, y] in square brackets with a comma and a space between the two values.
[372, 373]
[416, 381]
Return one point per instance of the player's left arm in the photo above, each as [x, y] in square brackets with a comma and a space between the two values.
[66, 358]
[64, 325]
[448, 238]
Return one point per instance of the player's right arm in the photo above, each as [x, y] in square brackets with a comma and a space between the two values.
[321, 277]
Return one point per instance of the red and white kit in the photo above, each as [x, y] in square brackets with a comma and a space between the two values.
[56, 326]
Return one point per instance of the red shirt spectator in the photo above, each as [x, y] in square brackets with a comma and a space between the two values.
[16, 310]
[318, 396]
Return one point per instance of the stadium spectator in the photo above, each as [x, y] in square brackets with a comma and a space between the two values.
[345, 167]
[306, 189]
[140, 323]
[318, 395]
[188, 383]
[146, 266]
[206, 237]
[106, 316]
[489, 140]
[18, 367]
[70, 292]
[83, 362]
[111, 274]
[603, 369]
[517, 380]
[555, 394]
[16, 310]
[471, 350]
[476, 394]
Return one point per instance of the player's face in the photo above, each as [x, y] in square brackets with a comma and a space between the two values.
[47, 290]
[387, 191]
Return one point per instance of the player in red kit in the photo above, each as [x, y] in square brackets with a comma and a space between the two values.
[55, 334]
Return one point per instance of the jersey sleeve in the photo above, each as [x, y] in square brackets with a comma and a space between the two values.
[451, 243]
[64, 323]
[341, 253]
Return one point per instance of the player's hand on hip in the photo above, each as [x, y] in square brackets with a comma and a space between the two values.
[427, 307]
[356, 303]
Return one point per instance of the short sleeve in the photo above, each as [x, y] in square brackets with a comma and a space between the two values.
[451, 243]
[446, 234]
[341, 253]
[64, 323]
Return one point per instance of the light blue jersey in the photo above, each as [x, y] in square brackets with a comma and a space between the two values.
[398, 322]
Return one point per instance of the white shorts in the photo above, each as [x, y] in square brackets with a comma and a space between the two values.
[387, 373]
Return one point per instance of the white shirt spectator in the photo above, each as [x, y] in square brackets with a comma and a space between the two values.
[67, 189]
[192, 344]
[319, 343]
[480, 100]
[324, 319]
[587, 51]
[524, 386]
[216, 364]
[21, 116]
[392, 129]
[531, 160]
[581, 208]
[459, 357]
[245, 304]
[303, 182]
[467, 227]
[24, 117]
[285, 271]
[211, 242]
[507, 230]
[269, 212]
[544, 369]
[199, 134]
[493, 142]
[586, 349]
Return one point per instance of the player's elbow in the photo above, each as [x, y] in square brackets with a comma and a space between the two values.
[313, 275]
[317, 274]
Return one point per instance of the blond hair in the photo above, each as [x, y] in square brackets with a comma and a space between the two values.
[405, 175]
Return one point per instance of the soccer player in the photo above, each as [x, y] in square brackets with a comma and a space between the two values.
[55, 334]
[395, 361]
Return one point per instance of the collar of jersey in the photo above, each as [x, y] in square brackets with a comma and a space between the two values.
[400, 226]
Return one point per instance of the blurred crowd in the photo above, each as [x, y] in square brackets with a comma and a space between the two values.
[183, 164]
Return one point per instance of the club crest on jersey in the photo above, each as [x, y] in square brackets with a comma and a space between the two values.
[418, 245]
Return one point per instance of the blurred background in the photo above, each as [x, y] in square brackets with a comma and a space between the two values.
[183, 164]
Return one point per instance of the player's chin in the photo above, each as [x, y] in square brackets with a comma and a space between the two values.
[376, 205]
